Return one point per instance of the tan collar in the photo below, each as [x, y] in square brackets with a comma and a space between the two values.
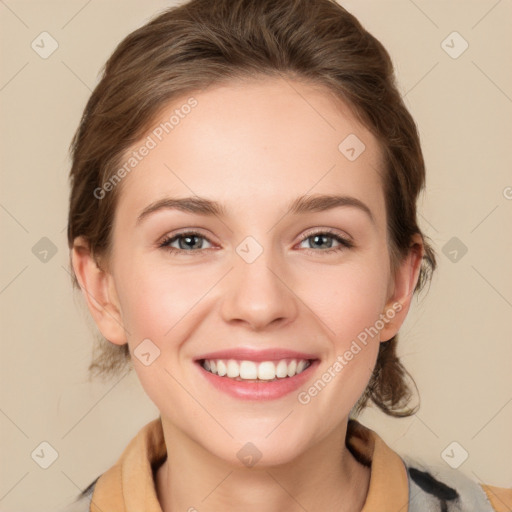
[389, 487]
[129, 485]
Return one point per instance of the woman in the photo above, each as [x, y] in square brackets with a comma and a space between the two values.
[243, 226]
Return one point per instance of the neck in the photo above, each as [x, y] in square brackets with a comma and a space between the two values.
[325, 477]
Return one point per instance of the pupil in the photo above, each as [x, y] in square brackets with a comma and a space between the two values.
[188, 240]
[318, 238]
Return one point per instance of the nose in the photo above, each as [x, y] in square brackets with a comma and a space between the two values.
[257, 294]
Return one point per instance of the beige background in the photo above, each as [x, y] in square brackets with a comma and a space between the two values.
[456, 341]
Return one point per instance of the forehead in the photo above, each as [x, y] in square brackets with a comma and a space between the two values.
[254, 145]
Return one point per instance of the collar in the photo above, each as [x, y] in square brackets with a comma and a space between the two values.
[129, 485]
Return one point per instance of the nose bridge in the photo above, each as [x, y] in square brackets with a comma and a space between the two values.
[256, 290]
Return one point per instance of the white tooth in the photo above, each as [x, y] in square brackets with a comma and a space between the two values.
[282, 369]
[267, 370]
[206, 365]
[221, 368]
[292, 367]
[301, 366]
[213, 367]
[248, 370]
[233, 369]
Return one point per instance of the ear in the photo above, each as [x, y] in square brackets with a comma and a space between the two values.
[99, 291]
[401, 289]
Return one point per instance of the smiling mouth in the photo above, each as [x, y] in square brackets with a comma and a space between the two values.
[252, 371]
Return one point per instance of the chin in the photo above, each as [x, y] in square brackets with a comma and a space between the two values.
[260, 451]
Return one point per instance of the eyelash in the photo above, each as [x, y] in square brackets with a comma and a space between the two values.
[344, 243]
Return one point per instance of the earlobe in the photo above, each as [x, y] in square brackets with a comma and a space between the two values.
[98, 288]
[403, 286]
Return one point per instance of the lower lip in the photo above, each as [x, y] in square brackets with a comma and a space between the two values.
[264, 390]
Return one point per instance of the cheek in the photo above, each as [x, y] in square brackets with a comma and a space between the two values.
[348, 312]
[348, 299]
[349, 304]
[161, 306]
[155, 299]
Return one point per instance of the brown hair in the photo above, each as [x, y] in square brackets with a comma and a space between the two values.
[202, 42]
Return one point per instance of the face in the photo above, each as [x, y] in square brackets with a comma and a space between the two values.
[278, 274]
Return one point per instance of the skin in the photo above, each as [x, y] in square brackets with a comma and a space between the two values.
[253, 146]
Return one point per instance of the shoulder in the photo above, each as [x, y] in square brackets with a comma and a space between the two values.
[437, 488]
[431, 489]
[500, 497]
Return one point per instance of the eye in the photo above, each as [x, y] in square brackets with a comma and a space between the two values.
[326, 236]
[192, 242]
[187, 242]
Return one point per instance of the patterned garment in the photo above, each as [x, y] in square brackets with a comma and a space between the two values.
[397, 483]
[443, 490]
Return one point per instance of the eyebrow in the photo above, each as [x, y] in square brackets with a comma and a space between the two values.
[301, 205]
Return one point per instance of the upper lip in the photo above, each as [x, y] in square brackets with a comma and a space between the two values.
[249, 354]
